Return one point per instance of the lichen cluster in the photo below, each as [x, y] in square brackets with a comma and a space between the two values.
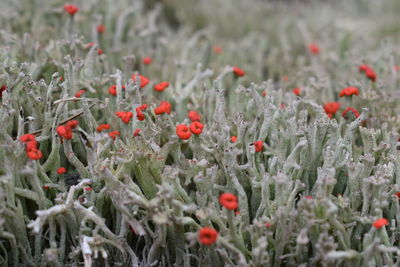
[199, 133]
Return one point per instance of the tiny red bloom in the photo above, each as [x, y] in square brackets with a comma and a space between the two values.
[207, 236]
[27, 137]
[71, 9]
[285, 78]
[196, 127]
[296, 91]
[147, 60]
[229, 201]
[314, 48]
[99, 51]
[114, 134]
[183, 131]
[331, 108]
[45, 187]
[363, 68]
[397, 194]
[2, 89]
[378, 224]
[258, 145]
[72, 124]
[125, 116]
[34, 154]
[112, 90]
[140, 115]
[264, 93]
[238, 72]
[80, 93]
[233, 139]
[161, 86]
[143, 80]
[308, 197]
[396, 67]
[164, 107]
[61, 170]
[88, 189]
[349, 91]
[370, 73]
[268, 225]
[136, 132]
[101, 28]
[217, 49]
[64, 131]
[354, 111]
[31, 145]
[102, 127]
[194, 116]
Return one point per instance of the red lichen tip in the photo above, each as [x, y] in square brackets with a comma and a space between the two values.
[196, 127]
[378, 224]
[71, 9]
[229, 201]
[183, 131]
[61, 170]
[314, 48]
[238, 72]
[207, 236]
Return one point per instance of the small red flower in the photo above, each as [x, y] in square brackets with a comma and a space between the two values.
[314, 48]
[147, 60]
[258, 145]
[264, 93]
[80, 93]
[64, 131]
[136, 132]
[354, 111]
[363, 68]
[233, 139]
[34, 154]
[370, 73]
[183, 132]
[268, 225]
[217, 49]
[61, 170]
[229, 201]
[164, 107]
[2, 89]
[397, 194]
[194, 116]
[196, 127]
[143, 80]
[238, 72]
[71, 9]
[139, 113]
[396, 67]
[331, 108]
[72, 124]
[101, 28]
[26, 138]
[378, 224]
[308, 197]
[114, 134]
[102, 127]
[285, 78]
[31, 145]
[99, 51]
[45, 187]
[349, 91]
[88, 189]
[161, 86]
[207, 236]
[125, 116]
[296, 91]
[112, 90]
